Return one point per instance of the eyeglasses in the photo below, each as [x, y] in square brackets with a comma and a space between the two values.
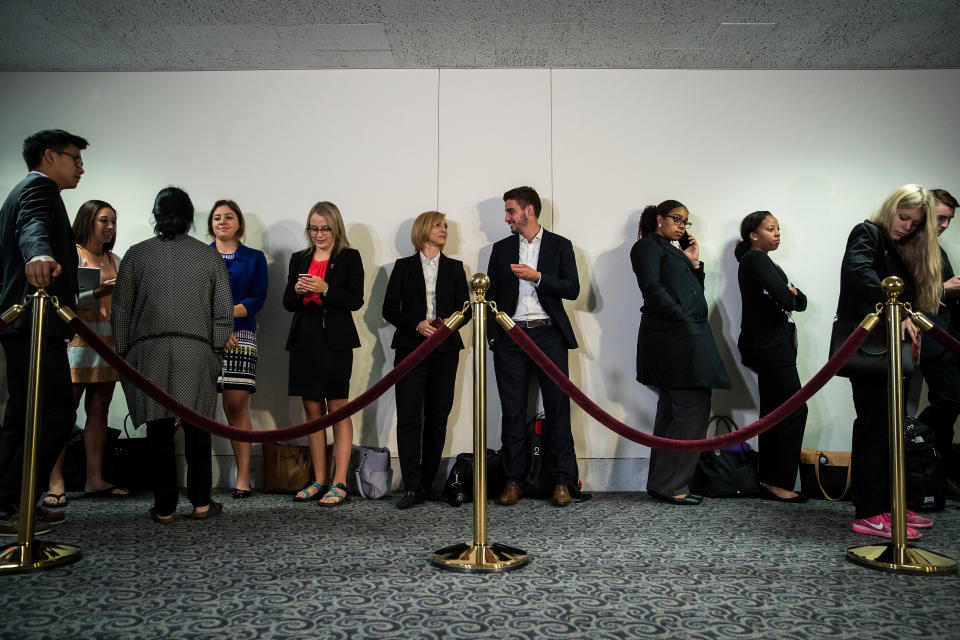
[76, 158]
[315, 230]
[680, 222]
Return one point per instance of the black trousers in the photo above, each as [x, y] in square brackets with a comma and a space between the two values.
[424, 399]
[163, 463]
[780, 445]
[870, 451]
[942, 375]
[513, 369]
[682, 414]
[57, 414]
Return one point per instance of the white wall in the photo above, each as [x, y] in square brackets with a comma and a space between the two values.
[820, 149]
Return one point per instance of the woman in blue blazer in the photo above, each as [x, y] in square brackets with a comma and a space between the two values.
[676, 353]
[423, 289]
[247, 269]
[324, 288]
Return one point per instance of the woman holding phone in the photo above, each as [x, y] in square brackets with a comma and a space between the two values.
[95, 231]
[768, 345]
[324, 288]
[676, 353]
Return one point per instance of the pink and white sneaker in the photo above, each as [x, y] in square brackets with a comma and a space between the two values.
[917, 521]
[879, 525]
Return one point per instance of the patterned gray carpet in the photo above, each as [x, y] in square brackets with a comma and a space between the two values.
[619, 566]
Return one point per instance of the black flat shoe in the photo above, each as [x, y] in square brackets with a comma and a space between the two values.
[689, 499]
[411, 499]
[239, 494]
[766, 494]
[212, 511]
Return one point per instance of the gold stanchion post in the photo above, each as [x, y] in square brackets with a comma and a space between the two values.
[28, 554]
[897, 555]
[480, 555]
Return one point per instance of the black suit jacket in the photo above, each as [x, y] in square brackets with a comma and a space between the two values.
[767, 338]
[345, 295]
[34, 222]
[870, 257]
[405, 303]
[558, 281]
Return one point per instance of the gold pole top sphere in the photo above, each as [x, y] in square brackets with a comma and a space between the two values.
[892, 286]
[480, 282]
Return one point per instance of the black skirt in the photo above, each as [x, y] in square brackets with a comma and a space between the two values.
[318, 371]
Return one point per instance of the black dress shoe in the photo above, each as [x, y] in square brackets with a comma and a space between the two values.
[410, 499]
[689, 499]
[766, 494]
[239, 494]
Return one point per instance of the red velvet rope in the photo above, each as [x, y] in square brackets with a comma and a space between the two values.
[830, 369]
[944, 338]
[187, 414]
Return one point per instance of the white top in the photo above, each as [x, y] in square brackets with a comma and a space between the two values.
[430, 267]
[528, 304]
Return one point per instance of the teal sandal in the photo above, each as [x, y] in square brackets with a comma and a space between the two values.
[334, 493]
[320, 492]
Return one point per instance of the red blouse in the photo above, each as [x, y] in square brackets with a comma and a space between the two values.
[317, 268]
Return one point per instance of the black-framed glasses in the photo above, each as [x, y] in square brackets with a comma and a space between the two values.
[76, 158]
[315, 230]
[680, 222]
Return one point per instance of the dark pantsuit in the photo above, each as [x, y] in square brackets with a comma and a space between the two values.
[424, 399]
[513, 369]
[682, 414]
[942, 374]
[870, 451]
[56, 413]
[164, 465]
[780, 445]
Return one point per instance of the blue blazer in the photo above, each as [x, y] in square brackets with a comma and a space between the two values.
[558, 281]
[248, 283]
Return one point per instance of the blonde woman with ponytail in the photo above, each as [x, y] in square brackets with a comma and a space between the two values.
[899, 240]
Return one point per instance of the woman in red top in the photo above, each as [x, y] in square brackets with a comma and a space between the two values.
[324, 287]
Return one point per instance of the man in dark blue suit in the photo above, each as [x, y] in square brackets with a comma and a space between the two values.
[37, 249]
[531, 273]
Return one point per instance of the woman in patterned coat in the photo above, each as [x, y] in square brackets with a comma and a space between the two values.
[172, 316]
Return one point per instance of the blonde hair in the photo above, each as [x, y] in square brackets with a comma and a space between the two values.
[331, 214]
[423, 226]
[919, 250]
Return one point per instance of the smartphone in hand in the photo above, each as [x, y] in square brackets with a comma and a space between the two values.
[684, 241]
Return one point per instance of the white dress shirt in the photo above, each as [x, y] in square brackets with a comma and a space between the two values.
[430, 267]
[528, 304]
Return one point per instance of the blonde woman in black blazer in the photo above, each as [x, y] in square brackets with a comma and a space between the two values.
[424, 288]
[324, 287]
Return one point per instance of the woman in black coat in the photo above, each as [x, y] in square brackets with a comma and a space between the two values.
[423, 289]
[768, 345]
[900, 240]
[676, 353]
[324, 288]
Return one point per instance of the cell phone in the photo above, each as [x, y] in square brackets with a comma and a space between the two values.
[436, 323]
[684, 241]
[304, 274]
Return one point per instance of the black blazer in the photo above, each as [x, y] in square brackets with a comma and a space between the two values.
[869, 258]
[946, 318]
[558, 281]
[767, 338]
[345, 295]
[34, 222]
[675, 348]
[405, 303]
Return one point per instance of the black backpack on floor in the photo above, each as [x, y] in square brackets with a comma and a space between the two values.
[925, 486]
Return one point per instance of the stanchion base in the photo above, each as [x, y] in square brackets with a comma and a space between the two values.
[45, 555]
[469, 558]
[914, 560]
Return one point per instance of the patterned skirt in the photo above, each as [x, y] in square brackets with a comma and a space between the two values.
[240, 364]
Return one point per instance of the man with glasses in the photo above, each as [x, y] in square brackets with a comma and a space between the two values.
[531, 273]
[37, 249]
[940, 367]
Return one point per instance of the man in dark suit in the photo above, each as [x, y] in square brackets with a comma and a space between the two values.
[531, 273]
[940, 367]
[37, 250]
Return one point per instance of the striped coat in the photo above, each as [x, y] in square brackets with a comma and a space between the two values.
[172, 314]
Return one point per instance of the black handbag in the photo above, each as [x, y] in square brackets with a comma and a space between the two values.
[126, 460]
[871, 357]
[459, 486]
[925, 486]
[727, 473]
